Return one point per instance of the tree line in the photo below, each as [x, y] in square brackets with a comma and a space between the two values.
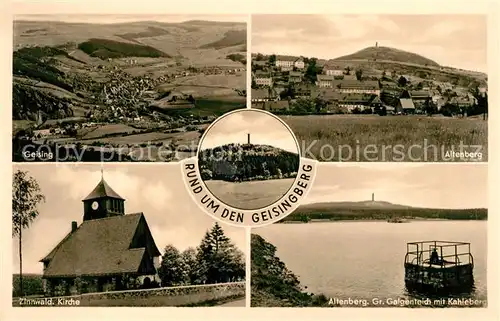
[305, 214]
[215, 260]
[243, 162]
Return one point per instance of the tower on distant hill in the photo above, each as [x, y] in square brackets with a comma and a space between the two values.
[248, 138]
[376, 44]
[373, 197]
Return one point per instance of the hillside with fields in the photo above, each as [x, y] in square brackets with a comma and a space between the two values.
[231, 38]
[247, 162]
[379, 210]
[72, 77]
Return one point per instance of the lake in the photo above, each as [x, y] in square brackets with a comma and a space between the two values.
[365, 260]
[250, 195]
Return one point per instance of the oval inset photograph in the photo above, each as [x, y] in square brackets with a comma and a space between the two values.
[248, 159]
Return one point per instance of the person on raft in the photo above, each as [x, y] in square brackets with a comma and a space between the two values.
[435, 259]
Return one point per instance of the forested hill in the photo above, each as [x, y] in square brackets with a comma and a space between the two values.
[247, 162]
[379, 211]
[392, 54]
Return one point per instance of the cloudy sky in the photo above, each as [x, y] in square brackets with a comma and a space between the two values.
[263, 128]
[121, 18]
[152, 189]
[420, 185]
[450, 40]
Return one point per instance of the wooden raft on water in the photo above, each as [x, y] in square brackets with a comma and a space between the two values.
[439, 267]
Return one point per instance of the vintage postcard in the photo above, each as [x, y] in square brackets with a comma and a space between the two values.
[250, 160]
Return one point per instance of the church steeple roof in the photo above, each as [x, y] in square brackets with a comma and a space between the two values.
[103, 190]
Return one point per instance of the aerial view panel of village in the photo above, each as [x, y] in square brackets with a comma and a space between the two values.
[120, 87]
[376, 88]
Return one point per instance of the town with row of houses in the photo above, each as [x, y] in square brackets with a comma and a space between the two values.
[300, 85]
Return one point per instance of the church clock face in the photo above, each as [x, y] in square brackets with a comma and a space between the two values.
[95, 205]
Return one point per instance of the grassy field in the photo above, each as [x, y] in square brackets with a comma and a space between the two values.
[107, 129]
[18, 125]
[208, 85]
[154, 137]
[208, 106]
[391, 138]
[250, 195]
[224, 81]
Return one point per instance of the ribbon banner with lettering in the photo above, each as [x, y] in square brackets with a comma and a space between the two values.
[249, 217]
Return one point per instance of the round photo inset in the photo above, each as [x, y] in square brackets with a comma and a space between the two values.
[248, 159]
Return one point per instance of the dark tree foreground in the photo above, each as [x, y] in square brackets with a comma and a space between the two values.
[215, 260]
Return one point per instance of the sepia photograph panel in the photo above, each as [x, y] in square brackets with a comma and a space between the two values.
[376, 88]
[122, 87]
[248, 159]
[379, 235]
[118, 235]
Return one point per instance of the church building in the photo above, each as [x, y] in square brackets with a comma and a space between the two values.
[109, 251]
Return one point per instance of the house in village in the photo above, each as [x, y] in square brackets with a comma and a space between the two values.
[325, 81]
[333, 71]
[261, 95]
[350, 101]
[42, 133]
[285, 63]
[109, 251]
[299, 63]
[359, 101]
[405, 106]
[263, 78]
[295, 77]
[304, 90]
[280, 86]
[273, 106]
[420, 98]
[463, 103]
[260, 64]
[349, 86]
[351, 77]
[360, 87]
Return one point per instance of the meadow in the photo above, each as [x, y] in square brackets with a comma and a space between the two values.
[391, 138]
[144, 138]
[213, 106]
[106, 130]
[249, 195]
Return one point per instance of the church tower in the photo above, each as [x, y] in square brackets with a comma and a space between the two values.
[103, 202]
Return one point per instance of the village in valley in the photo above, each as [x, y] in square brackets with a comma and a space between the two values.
[392, 89]
[137, 93]
[298, 85]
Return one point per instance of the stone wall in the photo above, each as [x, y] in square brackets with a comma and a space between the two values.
[168, 296]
